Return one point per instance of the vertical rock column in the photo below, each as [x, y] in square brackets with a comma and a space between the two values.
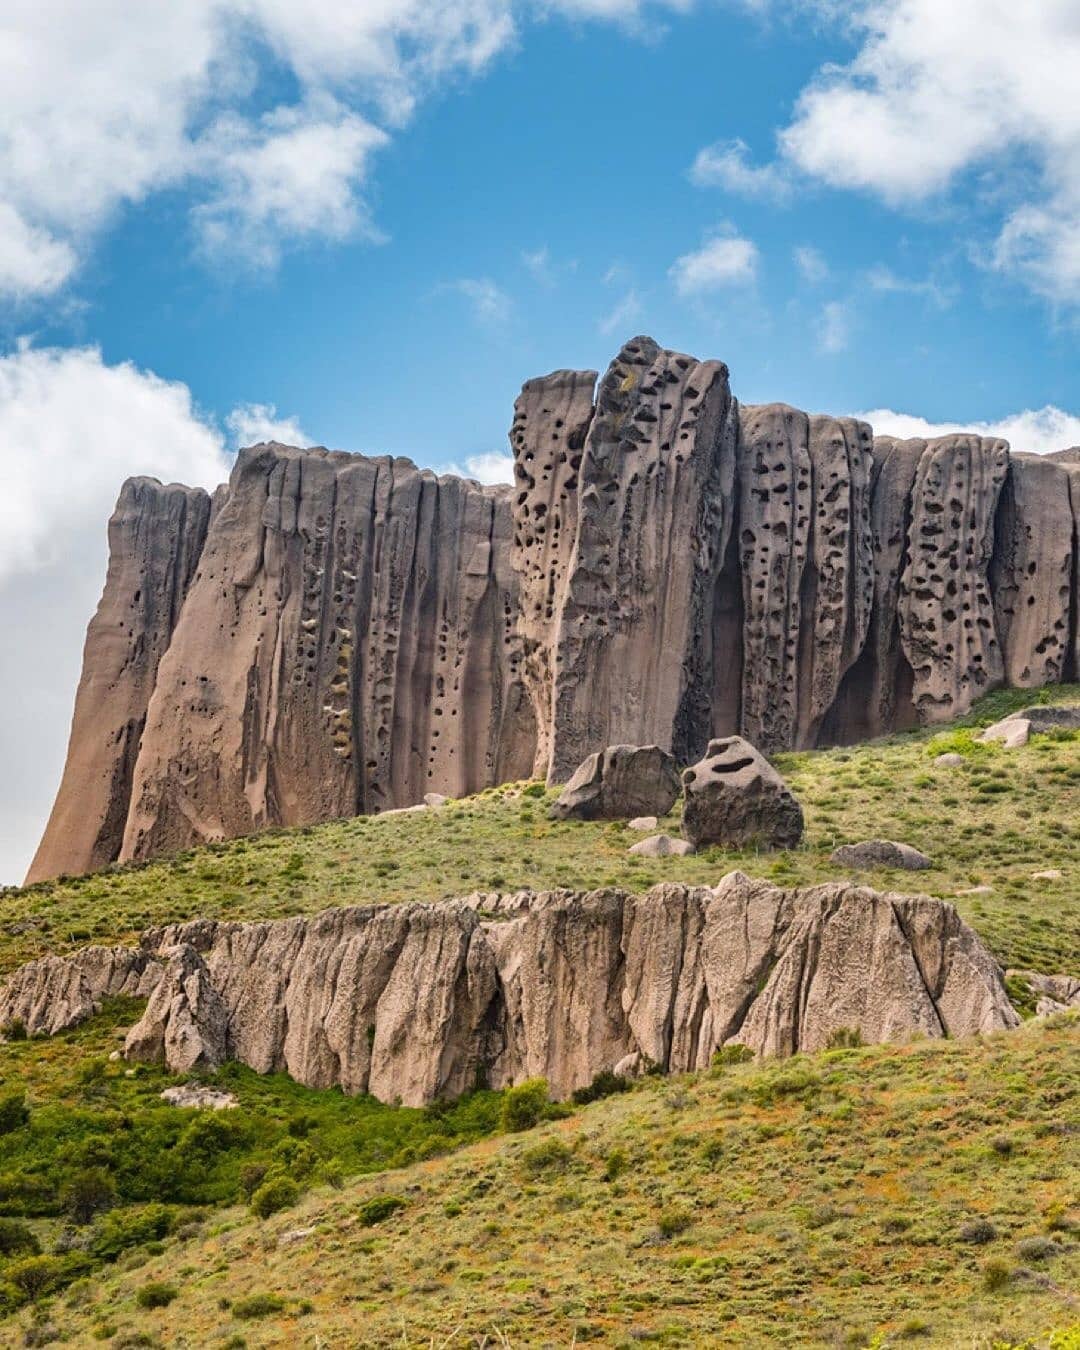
[156, 535]
[1032, 572]
[945, 610]
[551, 421]
[633, 649]
[807, 567]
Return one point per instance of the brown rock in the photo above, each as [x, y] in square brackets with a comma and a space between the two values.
[620, 782]
[735, 798]
[634, 650]
[880, 853]
[414, 1002]
[156, 535]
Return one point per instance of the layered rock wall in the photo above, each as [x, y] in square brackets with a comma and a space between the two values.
[335, 634]
[415, 1002]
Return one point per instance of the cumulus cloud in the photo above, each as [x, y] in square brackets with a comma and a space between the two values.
[811, 264]
[71, 429]
[251, 423]
[726, 260]
[834, 327]
[937, 91]
[1033, 431]
[727, 165]
[489, 303]
[107, 103]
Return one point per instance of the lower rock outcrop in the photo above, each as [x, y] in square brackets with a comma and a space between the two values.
[419, 1001]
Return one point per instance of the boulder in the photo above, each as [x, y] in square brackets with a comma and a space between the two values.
[192, 1095]
[642, 823]
[735, 798]
[661, 846]
[949, 761]
[880, 853]
[1048, 874]
[620, 782]
[1013, 731]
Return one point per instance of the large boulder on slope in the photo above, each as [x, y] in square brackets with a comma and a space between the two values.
[735, 798]
[880, 853]
[618, 783]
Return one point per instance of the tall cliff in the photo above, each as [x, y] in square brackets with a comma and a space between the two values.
[338, 634]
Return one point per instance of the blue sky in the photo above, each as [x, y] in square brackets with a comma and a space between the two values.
[365, 225]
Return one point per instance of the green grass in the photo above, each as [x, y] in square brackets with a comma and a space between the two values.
[862, 1197]
[993, 822]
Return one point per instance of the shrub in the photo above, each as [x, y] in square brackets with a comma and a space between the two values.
[524, 1105]
[674, 1221]
[14, 1113]
[604, 1084]
[156, 1294]
[378, 1208]
[276, 1194]
[550, 1156]
[252, 1177]
[977, 1232]
[1036, 1249]
[88, 1193]
[534, 790]
[616, 1164]
[36, 1275]
[845, 1038]
[15, 1030]
[258, 1305]
[996, 1275]
[122, 1229]
[729, 1055]
[17, 1239]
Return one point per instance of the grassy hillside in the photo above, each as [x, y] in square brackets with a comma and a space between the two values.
[991, 823]
[861, 1197]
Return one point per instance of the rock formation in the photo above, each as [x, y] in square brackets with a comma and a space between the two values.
[340, 634]
[416, 1002]
[620, 782]
[156, 535]
[736, 799]
[880, 853]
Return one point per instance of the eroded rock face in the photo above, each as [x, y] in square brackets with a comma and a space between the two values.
[333, 634]
[807, 567]
[57, 992]
[156, 536]
[349, 644]
[415, 1002]
[619, 783]
[633, 655]
[735, 798]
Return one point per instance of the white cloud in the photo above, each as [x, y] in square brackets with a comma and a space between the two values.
[1034, 431]
[32, 262]
[490, 305]
[623, 314]
[71, 429]
[491, 467]
[937, 90]
[727, 165]
[885, 281]
[252, 423]
[811, 263]
[726, 260]
[295, 174]
[834, 327]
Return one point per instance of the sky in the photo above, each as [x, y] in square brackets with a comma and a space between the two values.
[364, 225]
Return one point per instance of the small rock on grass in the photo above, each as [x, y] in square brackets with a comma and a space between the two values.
[880, 853]
[642, 823]
[661, 846]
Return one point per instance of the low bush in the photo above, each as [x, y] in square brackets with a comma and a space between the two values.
[523, 1106]
[258, 1305]
[378, 1209]
[275, 1194]
[156, 1294]
[552, 1156]
[604, 1084]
